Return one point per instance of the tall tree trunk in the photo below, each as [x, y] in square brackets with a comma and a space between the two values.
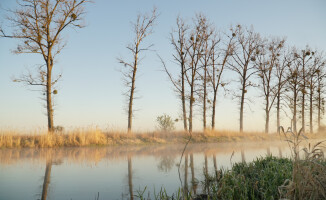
[241, 109]
[49, 105]
[46, 181]
[278, 111]
[303, 98]
[204, 99]
[295, 112]
[130, 178]
[302, 112]
[183, 98]
[213, 109]
[319, 103]
[267, 116]
[131, 96]
[190, 107]
[311, 111]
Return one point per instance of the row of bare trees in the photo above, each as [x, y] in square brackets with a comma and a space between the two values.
[288, 79]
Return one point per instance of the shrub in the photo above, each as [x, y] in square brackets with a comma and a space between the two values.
[165, 123]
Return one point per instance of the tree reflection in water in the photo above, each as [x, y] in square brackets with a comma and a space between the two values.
[166, 163]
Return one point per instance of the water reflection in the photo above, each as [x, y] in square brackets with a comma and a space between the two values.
[46, 181]
[186, 174]
[166, 163]
[194, 182]
[131, 191]
[99, 169]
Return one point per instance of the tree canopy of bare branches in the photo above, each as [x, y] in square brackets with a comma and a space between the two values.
[142, 28]
[38, 25]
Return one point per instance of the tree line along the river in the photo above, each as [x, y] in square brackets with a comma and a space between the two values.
[289, 78]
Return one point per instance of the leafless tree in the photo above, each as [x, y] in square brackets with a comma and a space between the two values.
[193, 64]
[222, 49]
[242, 61]
[321, 90]
[39, 25]
[142, 29]
[292, 87]
[281, 80]
[180, 45]
[267, 59]
[208, 44]
[304, 60]
[313, 75]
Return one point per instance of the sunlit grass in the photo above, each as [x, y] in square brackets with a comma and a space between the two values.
[94, 136]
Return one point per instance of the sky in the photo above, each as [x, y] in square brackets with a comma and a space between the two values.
[90, 92]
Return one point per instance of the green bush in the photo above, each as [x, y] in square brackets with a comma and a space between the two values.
[165, 123]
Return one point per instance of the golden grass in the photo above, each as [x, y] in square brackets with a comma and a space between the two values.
[92, 137]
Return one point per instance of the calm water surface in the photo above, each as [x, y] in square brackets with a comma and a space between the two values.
[117, 172]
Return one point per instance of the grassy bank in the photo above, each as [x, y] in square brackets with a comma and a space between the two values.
[298, 177]
[80, 137]
[264, 178]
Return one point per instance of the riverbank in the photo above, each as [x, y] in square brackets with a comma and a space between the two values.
[80, 138]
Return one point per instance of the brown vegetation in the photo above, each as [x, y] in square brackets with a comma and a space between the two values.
[95, 137]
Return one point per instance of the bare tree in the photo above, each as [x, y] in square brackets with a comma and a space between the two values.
[142, 29]
[222, 49]
[313, 75]
[242, 61]
[321, 90]
[267, 60]
[303, 59]
[281, 80]
[39, 25]
[208, 44]
[193, 65]
[292, 87]
[179, 42]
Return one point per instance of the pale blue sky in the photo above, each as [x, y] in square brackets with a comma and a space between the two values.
[90, 93]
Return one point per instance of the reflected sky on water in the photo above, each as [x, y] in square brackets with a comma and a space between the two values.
[118, 172]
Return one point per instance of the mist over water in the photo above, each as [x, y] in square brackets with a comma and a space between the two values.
[117, 172]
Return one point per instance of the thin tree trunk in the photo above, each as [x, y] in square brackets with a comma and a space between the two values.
[302, 112]
[213, 110]
[319, 103]
[241, 109]
[278, 111]
[303, 98]
[49, 105]
[295, 112]
[267, 116]
[131, 96]
[46, 181]
[311, 111]
[204, 99]
[190, 108]
[130, 178]
[185, 126]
